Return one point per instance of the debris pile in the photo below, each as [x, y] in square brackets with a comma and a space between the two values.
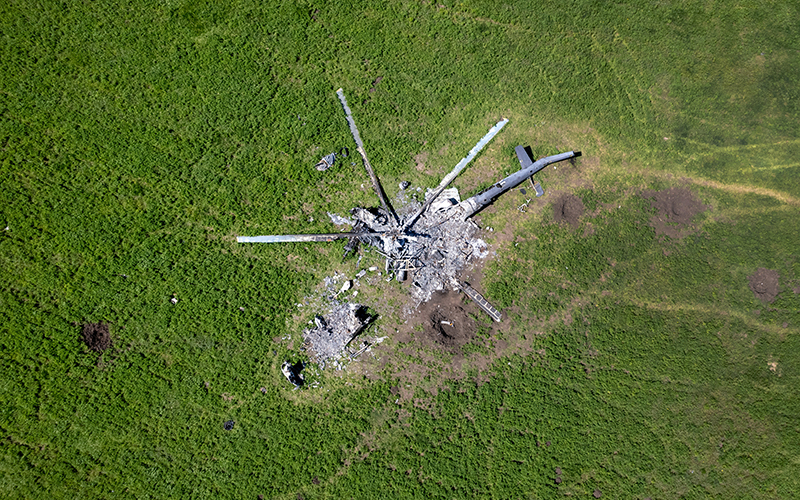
[431, 242]
[433, 254]
[332, 333]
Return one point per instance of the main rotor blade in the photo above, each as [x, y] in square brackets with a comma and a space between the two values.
[376, 185]
[457, 170]
[300, 238]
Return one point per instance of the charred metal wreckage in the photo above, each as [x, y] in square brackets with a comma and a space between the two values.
[429, 241]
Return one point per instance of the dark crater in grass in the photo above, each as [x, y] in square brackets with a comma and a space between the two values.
[568, 208]
[675, 209]
[96, 336]
[446, 321]
[764, 284]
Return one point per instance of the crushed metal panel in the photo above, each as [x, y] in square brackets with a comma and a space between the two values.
[292, 373]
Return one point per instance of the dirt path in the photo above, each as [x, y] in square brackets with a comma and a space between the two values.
[740, 189]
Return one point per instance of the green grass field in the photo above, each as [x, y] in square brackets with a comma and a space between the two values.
[137, 140]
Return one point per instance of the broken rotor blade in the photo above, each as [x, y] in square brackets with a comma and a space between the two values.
[300, 238]
[456, 170]
[376, 185]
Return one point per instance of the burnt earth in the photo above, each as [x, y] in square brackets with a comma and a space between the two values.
[448, 307]
[675, 209]
[96, 336]
[764, 284]
[568, 208]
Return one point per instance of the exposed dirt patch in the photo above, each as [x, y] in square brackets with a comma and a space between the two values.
[675, 209]
[446, 320]
[96, 336]
[375, 84]
[419, 161]
[568, 208]
[764, 284]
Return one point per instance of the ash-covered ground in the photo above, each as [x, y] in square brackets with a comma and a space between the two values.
[336, 333]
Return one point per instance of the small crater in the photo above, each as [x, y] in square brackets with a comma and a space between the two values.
[568, 208]
[764, 284]
[96, 336]
[675, 209]
[447, 322]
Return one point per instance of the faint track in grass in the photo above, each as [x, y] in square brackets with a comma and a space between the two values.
[728, 212]
[731, 149]
[741, 189]
[731, 188]
[715, 311]
[773, 167]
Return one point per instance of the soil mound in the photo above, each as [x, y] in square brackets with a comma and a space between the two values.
[764, 284]
[446, 320]
[675, 209]
[96, 336]
[568, 208]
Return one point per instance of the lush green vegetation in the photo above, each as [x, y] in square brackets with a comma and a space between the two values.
[138, 139]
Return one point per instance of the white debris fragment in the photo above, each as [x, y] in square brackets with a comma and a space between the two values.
[361, 273]
[338, 220]
[446, 199]
[173, 300]
[373, 268]
[346, 286]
